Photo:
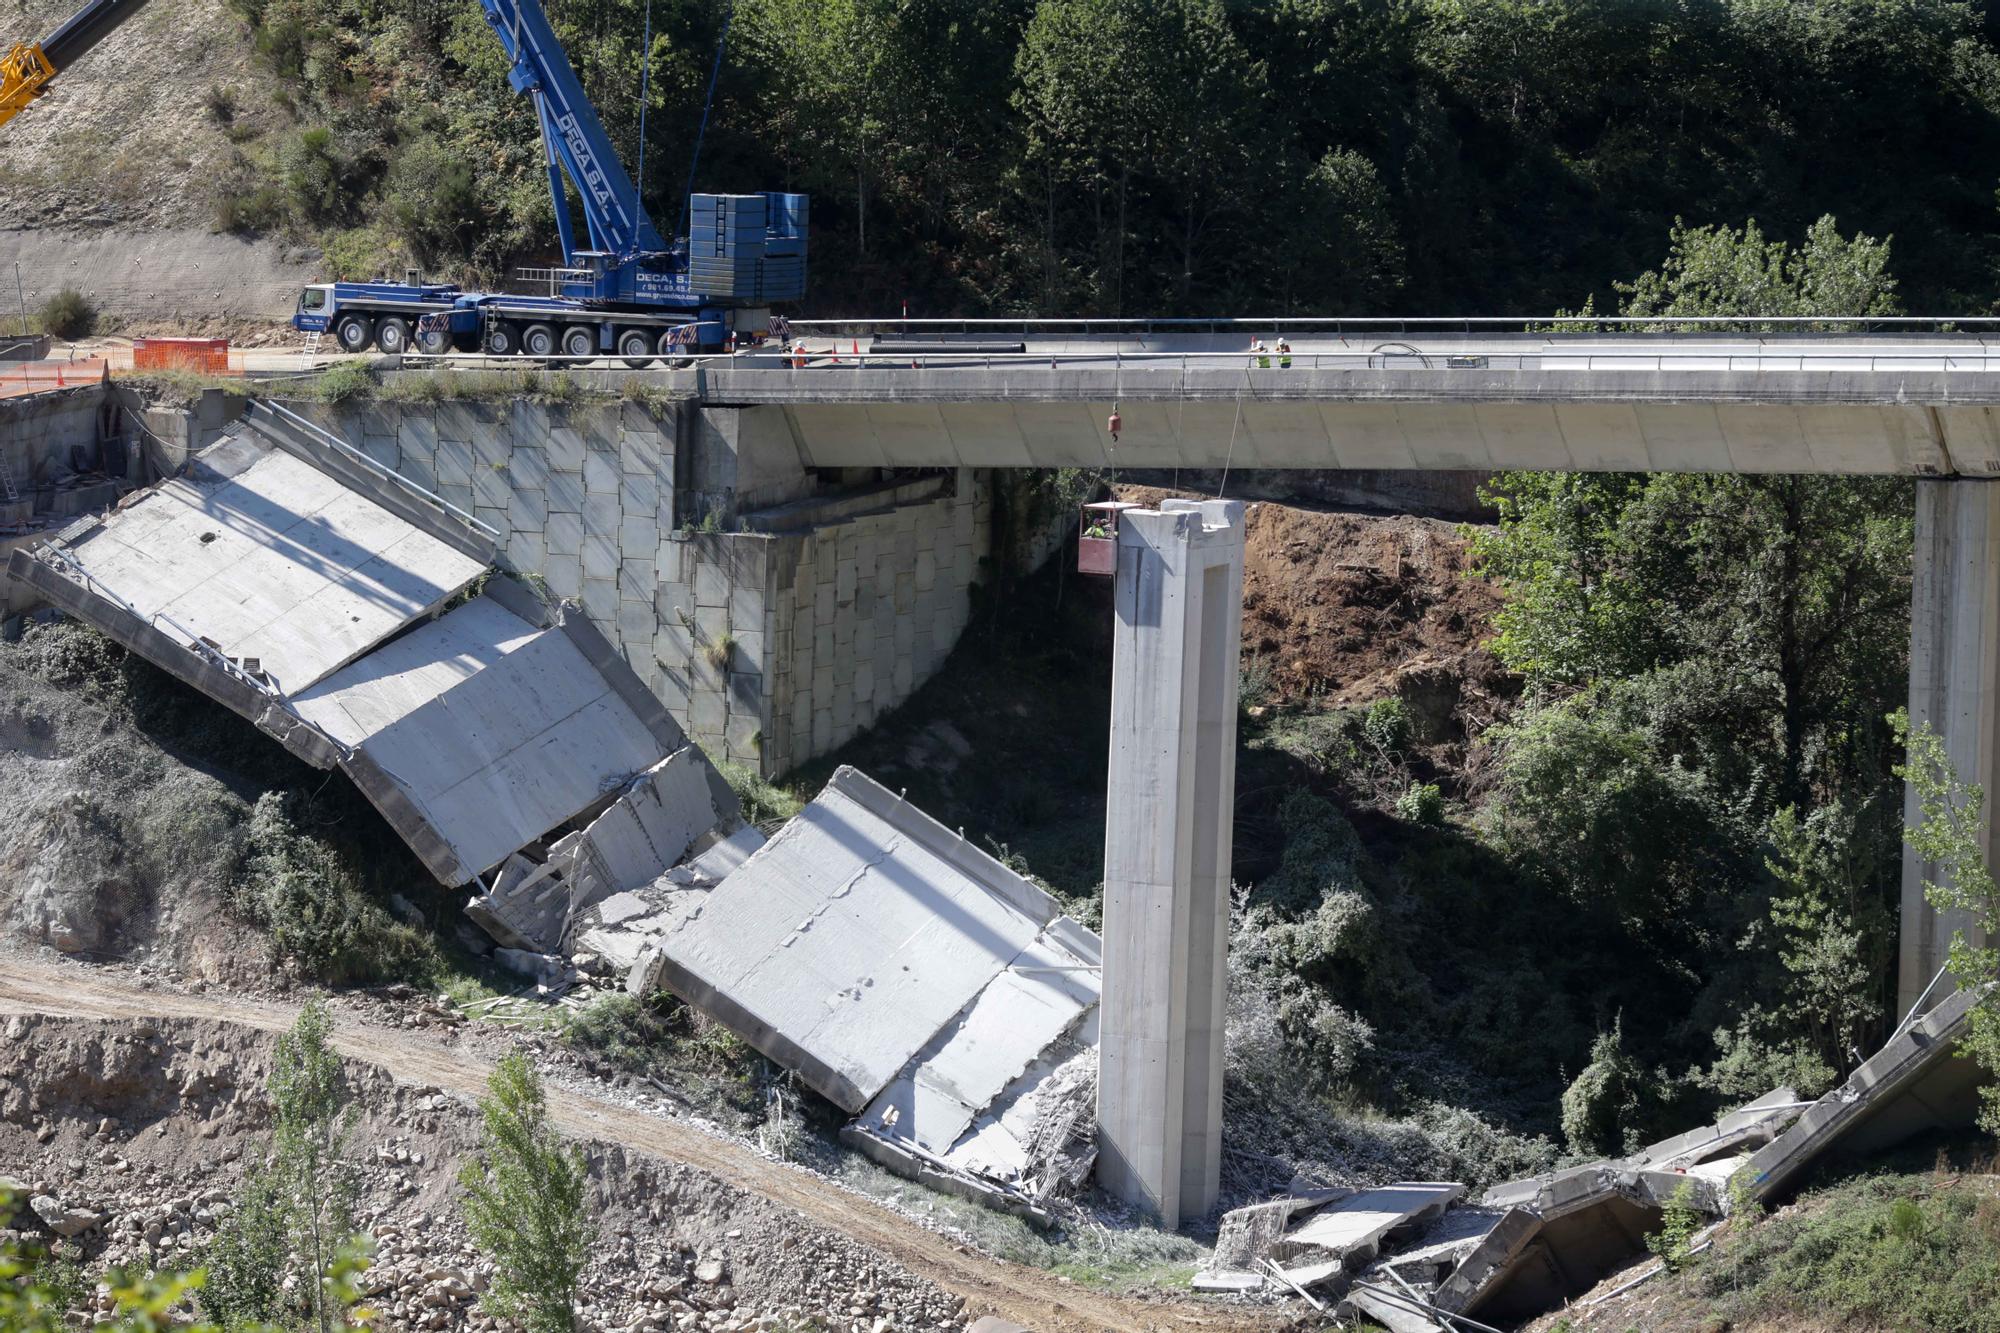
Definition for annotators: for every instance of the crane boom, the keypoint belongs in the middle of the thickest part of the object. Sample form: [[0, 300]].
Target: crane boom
[[573, 138], [27, 68]]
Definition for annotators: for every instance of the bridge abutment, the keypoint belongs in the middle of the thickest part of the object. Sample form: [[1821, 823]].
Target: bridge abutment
[[1954, 686], [776, 609]]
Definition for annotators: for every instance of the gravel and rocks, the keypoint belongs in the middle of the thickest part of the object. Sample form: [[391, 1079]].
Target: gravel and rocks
[[130, 1139]]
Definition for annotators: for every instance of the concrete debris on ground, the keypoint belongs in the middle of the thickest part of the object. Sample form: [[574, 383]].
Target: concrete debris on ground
[[1528, 1245], [905, 975], [333, 605], [1345, 1228]]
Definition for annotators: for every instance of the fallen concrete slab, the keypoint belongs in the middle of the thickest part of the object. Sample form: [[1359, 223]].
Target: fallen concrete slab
[[1919, 1081], [270, 560], [1352, 1229], [842, 946], [906, 976], [304, 588]]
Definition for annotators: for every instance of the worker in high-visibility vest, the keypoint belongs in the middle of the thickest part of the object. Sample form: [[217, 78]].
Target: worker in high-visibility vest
[[799, 356], [1284, 355], [1263, 354]]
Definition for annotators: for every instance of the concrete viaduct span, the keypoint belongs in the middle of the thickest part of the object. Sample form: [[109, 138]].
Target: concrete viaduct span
[[1900, 397]]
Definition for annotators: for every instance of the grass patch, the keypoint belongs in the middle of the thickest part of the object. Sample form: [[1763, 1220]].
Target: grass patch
[[1896, 1249], [662, 1039], [764, 802]]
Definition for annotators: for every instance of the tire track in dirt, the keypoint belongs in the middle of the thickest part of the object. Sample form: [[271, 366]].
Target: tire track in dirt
[[1027, 1296]]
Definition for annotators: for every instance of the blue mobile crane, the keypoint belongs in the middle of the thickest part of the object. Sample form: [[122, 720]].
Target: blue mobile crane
[[629, 291]]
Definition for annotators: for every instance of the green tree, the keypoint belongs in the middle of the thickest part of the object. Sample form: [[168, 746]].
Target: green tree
[[246, 1260], [1602, 1106], [1123, 96], [526, 1203], [308, 1161], [1720, 271], [1950, 833], [1708, 660]]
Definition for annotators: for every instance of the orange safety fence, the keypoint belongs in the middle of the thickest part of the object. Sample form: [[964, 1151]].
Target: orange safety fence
[[209, 356], [21, 377]]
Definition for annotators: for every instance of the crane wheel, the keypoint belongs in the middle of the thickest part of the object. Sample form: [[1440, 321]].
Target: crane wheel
[[503, 340], [539, 340], [579, 340], [354, 333], [392, 336], [433, 342], [636, 347]]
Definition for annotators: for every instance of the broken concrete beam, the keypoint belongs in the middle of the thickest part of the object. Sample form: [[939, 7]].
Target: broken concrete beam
[[1758, 1122], [1565, 1256], [1247, 1234], [1919, 1081], [1491, 1256], [1352, 1229]]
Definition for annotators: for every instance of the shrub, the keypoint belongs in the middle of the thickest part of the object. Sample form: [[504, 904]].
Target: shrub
[[220, 102], [315, 176], [1253, 683], [342, 381], [527, 1203], [1422, 803], [361, 253], [1600, 1109], [1678, 1223], [1387, 724], [68, 314], [764, 802], [314, 908]]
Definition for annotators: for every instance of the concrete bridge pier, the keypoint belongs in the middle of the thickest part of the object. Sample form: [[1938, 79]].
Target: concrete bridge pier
[[1954, 685], [1169, 814]]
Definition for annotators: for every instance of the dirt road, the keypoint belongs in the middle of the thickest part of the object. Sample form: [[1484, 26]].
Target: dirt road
[[1028, 1296]]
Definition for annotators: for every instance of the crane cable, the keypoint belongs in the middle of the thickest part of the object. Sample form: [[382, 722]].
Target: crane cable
[[645, 81], [687, 195]]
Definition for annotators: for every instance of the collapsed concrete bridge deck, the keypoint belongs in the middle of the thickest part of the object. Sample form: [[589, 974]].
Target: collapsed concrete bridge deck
[[351, 616]]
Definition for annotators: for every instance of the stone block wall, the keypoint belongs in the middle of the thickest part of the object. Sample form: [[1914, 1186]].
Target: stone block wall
[[785, 646], [768, 649]]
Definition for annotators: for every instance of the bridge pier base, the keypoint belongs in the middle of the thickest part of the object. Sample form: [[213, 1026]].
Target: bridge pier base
[[1168, 832], [1954, 686]]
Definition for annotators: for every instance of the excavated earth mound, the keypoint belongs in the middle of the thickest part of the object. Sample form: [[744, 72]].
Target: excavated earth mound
[[1348, 608], [131, 1139]]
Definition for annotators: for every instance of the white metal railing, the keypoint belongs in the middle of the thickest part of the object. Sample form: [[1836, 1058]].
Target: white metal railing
[[1828, 360], [327, 439], [551, 278]]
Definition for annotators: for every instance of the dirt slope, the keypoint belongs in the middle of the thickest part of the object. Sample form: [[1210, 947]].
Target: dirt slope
[[131, 132], [1350, 607], [1029, 1297]]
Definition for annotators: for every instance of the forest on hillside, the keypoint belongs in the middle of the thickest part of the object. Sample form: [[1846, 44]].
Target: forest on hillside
[[1163, 156]]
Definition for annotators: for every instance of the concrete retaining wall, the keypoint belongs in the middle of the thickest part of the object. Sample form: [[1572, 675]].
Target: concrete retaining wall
[[768, 649]]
